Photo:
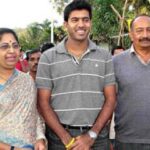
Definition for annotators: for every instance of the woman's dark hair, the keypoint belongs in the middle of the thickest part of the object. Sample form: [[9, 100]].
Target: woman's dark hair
[[7, 30], [77, 5]]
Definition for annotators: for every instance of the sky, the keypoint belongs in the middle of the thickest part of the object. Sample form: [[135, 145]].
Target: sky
[[20, 13]]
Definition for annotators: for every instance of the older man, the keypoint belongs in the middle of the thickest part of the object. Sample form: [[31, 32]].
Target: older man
[[132, 70]]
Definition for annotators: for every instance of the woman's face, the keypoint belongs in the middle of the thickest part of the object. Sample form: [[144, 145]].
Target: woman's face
[[9, 51]]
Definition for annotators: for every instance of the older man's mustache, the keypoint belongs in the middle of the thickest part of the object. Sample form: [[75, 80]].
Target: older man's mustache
[[144, 39]]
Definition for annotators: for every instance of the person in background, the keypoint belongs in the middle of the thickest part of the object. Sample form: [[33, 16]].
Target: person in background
[[33, 57], [46, 46], [76, 86], [22, 63], [132, 69], [117, 50], [20, 125]]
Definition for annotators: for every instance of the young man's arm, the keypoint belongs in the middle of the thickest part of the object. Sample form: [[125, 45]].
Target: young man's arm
[[84, 141], [107, 109], [51, 119]]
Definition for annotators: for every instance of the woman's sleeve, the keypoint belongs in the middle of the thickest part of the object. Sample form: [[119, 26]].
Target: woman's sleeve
[[40, 131]]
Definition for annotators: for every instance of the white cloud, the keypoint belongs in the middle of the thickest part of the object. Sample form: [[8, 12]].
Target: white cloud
[[20, 13]]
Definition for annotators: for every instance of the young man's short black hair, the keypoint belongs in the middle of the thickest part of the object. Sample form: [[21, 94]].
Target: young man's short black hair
[[77, 5]]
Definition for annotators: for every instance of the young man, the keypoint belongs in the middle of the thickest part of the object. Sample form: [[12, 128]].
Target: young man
[[132, 70], [76, 86], [33, 57]]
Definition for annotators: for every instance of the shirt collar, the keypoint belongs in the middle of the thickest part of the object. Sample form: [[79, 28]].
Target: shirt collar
[[60, 48], [132, 51]]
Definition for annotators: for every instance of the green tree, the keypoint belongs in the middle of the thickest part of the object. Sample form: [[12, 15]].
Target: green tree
[[59, 4], [141, 6], [59, 34], [107, 24], [105, 21], [34, 35]]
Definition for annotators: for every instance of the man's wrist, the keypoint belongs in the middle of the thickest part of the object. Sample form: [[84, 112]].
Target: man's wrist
[[70, 143], [93, 135]]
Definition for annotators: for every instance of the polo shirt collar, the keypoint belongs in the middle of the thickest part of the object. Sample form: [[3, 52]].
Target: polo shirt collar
[[132, 51], [60, 48]]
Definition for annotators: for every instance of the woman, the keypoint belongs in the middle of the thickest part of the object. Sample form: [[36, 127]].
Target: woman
[[20, 125]]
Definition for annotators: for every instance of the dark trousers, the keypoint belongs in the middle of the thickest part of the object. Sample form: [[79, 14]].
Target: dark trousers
[[131, 146], [54, 143]]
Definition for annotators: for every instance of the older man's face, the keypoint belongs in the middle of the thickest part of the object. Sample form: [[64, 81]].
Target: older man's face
[[140, 32]]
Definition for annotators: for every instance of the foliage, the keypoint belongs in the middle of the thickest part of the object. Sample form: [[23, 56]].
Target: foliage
[[60, 33], [105, 21], [34, 35], [37, 33], [59, 4], [142, 6], [138, 7]]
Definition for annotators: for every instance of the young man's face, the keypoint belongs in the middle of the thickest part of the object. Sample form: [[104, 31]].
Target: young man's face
[[33, 61], [140, 32], [78, 25]]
